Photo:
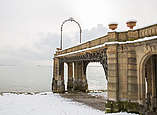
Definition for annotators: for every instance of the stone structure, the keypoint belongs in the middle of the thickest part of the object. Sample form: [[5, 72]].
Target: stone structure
[[129, 60]]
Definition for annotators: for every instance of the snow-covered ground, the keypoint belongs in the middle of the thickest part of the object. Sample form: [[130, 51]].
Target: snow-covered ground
[[102, 94], [44, 104]]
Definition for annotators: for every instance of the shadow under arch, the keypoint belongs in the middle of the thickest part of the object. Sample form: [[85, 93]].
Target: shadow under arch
[[147, 81]]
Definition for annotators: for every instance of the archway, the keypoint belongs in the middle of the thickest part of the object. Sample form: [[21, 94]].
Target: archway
[[148, 82], [96, 77], [65, 75], [71, 20], [68, 76]]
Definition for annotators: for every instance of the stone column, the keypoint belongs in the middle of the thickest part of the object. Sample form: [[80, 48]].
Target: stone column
[[70, 77], [83, 76], [58, 76], [123, 69], [113, 76], [75, 79], [80, 82], [132, 75]]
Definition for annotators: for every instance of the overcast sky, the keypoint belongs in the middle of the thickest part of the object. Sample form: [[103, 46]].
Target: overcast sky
[[30, 29]]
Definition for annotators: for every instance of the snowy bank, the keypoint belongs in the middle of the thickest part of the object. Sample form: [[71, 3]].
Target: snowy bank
[[44, 104]]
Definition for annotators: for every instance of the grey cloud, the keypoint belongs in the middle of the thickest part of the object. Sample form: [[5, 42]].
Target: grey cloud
[[45, 46], [95, 32]]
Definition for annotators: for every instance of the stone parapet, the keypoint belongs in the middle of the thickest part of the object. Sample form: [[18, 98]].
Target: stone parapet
[[129, 35]]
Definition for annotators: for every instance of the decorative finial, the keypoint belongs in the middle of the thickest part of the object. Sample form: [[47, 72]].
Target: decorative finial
[[113, 25], [131, 23], [71, 18]]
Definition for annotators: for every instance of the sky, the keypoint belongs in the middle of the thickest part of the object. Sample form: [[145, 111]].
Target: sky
[[30, 29]]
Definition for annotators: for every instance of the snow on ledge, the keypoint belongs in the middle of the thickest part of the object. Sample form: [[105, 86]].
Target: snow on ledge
[[110, 43], [131, 20]]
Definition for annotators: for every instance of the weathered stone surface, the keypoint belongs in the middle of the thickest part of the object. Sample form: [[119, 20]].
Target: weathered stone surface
[[129, 67], [130, 107], [122, 37]]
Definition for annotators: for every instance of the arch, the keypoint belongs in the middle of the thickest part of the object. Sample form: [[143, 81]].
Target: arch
[[71, 20], [68, 75], [142, 77], [65, 75], [96, 81]]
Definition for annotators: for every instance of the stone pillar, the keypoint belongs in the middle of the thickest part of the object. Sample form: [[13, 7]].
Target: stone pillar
[[123, 69], [132, 75], [113, 76], [80, 81], [70, 77], [58, 76], [84, 78]]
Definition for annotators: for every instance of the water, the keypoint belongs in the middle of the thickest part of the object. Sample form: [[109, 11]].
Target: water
[[25, 78], [38, 78], [95, 76]]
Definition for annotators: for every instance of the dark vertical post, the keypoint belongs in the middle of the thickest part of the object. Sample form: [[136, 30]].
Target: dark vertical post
[[61, 39], [70, 76], [80, 35]]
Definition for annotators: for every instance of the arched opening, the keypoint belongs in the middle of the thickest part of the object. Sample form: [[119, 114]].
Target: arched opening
[[68, 76], [69, 20], [149, 78], [96, 77], [65, 75]]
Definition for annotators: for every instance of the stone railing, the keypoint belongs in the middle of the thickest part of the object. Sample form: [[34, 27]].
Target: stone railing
[[129, 35]]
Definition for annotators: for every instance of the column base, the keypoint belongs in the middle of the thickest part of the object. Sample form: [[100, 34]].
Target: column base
[[79, 86], [70, 86], [113, 107], [58, 86], [54, 85]]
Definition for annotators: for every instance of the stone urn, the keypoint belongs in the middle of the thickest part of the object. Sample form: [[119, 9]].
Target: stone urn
[[131, 23], [113, 26], [58, 49]]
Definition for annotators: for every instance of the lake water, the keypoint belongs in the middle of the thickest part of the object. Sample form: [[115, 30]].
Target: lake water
[[38, 78]]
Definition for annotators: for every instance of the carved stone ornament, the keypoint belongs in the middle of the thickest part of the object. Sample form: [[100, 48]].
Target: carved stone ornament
[[147, 48]]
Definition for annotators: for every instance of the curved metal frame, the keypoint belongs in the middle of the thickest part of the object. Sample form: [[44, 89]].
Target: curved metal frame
[[72, 20]]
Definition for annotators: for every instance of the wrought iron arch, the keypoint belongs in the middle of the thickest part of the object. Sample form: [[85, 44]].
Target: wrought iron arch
[[71, 20]]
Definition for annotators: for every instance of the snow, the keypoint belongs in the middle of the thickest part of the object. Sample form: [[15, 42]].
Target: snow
[[44, 104], [99, 94], [111, 43], [131, 20], [113, 23], [144, 26]]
